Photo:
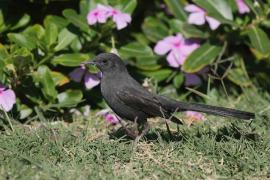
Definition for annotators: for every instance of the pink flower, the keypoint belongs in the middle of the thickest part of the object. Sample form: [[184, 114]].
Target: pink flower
[[111, 118], [195, 116], [121, 19], [7, 98], [242, 6], [178, 48], [90, 79], [108, 116], [101, 13], [199, 16]]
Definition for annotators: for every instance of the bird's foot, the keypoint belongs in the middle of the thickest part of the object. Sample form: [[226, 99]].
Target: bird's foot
[[130, 133], [137, 135]]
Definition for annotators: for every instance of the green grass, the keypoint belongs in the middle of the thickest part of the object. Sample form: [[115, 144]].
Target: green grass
[[216, 149]]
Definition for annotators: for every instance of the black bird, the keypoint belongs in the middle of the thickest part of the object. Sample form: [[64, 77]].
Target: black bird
[[129, 100]]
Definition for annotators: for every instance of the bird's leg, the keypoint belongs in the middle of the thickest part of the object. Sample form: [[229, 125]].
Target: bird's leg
[[168, 129], [167, 125], [142, 131], [130, 133]]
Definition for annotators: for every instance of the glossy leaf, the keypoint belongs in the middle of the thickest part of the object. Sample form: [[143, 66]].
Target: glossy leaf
[[238, 76], [159, 75], [25, 19], [51, 34], [178, 80], [46, 81], [201, 57], [25, 111], [59, 78], [154, 29], [70, 60], [135, 49], [69, 98], [57, 20], [218, 9], [259, 40], [128, 6], [177, 8], [65, 37], [22, 40], [188, 30], [76, 20]]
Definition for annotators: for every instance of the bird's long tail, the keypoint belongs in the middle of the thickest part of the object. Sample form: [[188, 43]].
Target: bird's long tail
[[220, 111]]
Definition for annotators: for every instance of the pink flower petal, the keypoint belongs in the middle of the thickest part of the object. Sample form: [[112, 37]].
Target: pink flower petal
[[91, 80], [193, 8], [99, 14], [194, 115], [162, 47], [175, 59], [242, 7], [189, 46], [77, 74], [197, 18], [111, 118], [7, 99], [121, 20], [213, 23], [192, 80]]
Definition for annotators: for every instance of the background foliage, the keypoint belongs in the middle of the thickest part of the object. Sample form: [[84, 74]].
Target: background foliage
[[41, 42]]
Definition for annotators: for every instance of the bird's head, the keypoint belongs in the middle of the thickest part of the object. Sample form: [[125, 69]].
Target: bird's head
[[108, 62]]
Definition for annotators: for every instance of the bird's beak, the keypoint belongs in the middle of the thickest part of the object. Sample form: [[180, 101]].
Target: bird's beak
[[91, 62]]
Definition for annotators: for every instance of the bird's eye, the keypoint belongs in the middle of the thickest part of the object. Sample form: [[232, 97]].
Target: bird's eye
[[104, 61]]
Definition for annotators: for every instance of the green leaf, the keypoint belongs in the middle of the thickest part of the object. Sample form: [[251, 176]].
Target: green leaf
[[259, 40], [57, 20], [148, 63], [201, 57], [176, 7], [25, 111], [71, 60], [34, 32], [154, 29], [77, 20], [3, 53], [43, 76], [25, 19], [159, 75], [128, 6], [51, 33], [178, 80], [188, 30], [22, 40], [65, 37], [218, 9], [59, 78], [239, 77], [69, 98], [135, 49]]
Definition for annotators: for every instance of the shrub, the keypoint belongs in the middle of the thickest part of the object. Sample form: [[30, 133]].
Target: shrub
[[174, 44]]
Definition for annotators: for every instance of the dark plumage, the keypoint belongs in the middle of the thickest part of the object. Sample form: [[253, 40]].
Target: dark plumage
[[129, 100]]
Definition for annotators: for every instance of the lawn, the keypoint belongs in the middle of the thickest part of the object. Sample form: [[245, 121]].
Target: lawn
[[215, 149]]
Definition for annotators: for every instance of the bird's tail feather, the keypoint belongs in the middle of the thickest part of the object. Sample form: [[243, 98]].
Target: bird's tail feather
[[220, 111]]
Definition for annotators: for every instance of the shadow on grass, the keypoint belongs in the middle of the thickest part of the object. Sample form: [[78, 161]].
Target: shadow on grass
[[225, 133], [152, 135], [234, 132]]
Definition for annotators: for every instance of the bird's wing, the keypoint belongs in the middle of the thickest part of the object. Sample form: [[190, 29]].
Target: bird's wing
[[141, 100]]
